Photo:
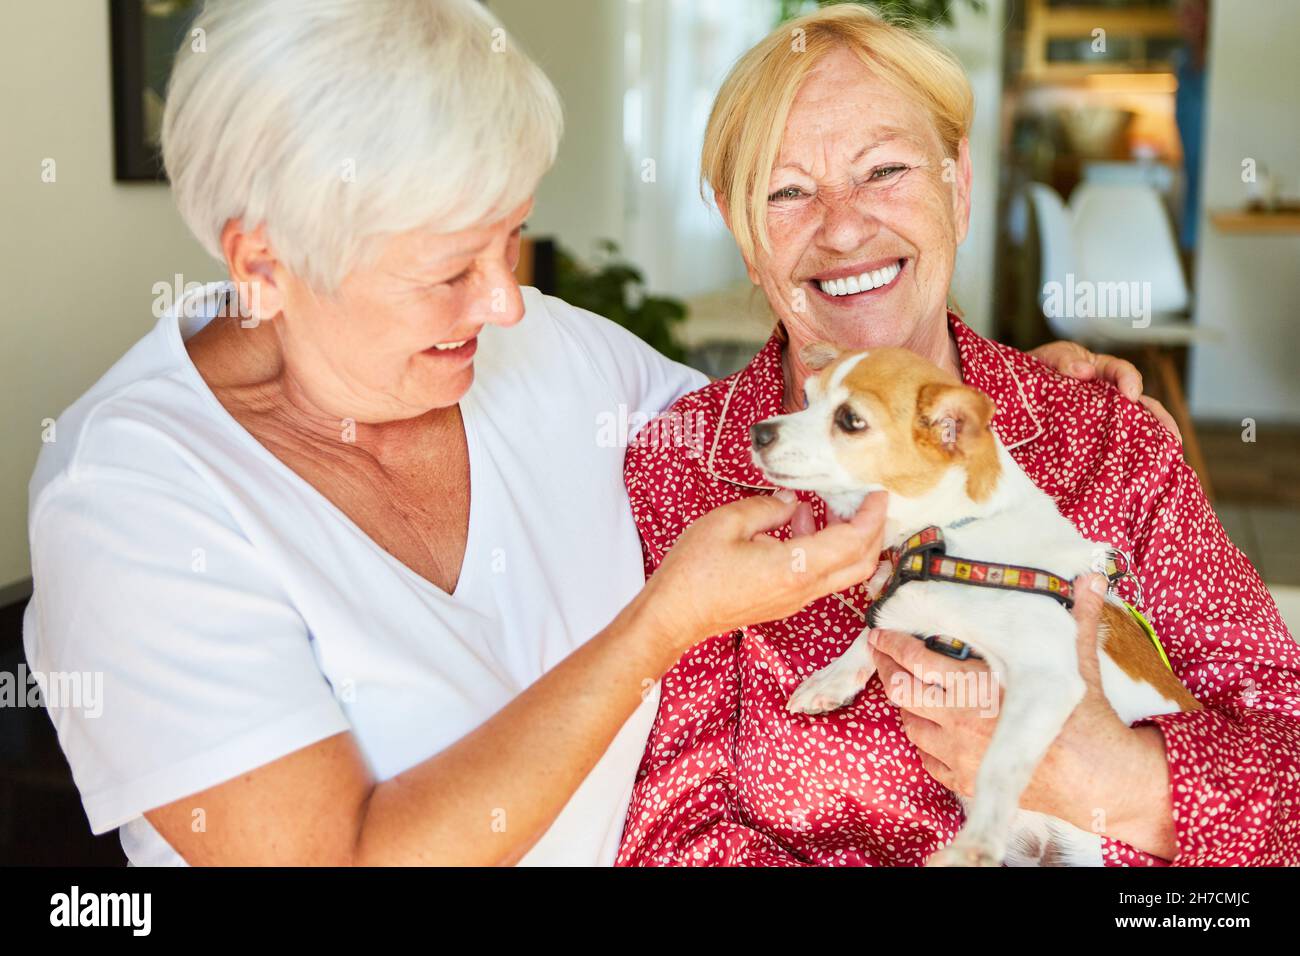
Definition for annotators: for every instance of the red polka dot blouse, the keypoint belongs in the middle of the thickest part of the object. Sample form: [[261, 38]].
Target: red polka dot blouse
[[729, 777]]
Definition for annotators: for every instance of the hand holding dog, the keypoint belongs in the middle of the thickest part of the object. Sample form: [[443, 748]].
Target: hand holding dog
[[1100, 774], [725, 571], [1072, 359]]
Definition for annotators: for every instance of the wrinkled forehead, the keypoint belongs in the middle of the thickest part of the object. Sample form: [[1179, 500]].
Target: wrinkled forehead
[[842, 93]]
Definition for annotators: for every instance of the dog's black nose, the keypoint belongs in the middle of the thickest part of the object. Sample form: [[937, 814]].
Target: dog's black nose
[[763, 434]]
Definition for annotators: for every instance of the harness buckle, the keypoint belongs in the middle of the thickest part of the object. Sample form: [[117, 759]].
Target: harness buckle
[[951, 647], [1117, 566]]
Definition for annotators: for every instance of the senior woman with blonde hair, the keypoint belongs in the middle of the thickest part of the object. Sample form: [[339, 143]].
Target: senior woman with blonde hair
[[837, 152], [361, 580]]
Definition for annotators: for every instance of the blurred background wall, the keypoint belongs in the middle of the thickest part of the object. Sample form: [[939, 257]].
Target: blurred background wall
[[579, 44], [80, 254], [1248, 284]]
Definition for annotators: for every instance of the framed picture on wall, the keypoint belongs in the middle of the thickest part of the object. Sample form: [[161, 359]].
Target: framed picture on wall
[[145, 35]]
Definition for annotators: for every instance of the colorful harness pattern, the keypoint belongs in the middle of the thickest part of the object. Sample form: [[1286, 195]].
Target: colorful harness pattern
[[924, 557]]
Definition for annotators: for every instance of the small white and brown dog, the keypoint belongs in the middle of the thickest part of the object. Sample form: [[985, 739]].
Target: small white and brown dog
[[991, 561]]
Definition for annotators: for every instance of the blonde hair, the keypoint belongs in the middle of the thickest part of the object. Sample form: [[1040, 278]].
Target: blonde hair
[[338, 122], [749, 115]]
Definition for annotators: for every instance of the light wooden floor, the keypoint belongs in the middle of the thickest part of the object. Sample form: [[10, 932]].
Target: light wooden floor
[[1257, 495]]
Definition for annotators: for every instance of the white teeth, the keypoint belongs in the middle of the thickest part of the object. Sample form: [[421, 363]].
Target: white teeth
[[863, 283], [447, 346]]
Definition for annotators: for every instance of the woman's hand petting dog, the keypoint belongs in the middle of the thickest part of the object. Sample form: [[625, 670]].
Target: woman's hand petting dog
[[1100, 774], [726, 571]]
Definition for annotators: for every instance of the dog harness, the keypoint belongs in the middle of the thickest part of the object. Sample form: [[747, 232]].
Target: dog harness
[[924, 557]]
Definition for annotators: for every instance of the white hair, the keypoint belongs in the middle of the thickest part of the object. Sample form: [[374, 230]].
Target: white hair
[[335, 122]]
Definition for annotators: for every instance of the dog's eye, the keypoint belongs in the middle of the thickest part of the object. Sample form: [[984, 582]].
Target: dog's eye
[[848, 420]]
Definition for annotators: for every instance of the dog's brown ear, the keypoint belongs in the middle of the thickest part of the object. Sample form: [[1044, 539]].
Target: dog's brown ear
[[952, 417], [818, 355]]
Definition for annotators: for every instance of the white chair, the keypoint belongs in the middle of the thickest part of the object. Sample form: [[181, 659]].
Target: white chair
[[1119, 237], [1058, 260], [1122, 234], [1158, 176]]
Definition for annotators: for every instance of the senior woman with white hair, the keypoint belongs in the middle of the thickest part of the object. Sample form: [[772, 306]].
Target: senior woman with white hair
[[362, 583], [343, 604]]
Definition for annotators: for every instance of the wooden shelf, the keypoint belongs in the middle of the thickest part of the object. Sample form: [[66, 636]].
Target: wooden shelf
[[1242, 222], [1044, 23], [1081, 21]]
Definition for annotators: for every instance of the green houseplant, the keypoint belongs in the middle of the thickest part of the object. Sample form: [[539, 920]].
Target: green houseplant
[[921, 12], [615, 288]]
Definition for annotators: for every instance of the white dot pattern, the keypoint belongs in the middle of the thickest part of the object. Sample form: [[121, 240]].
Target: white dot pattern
[[729, 777]]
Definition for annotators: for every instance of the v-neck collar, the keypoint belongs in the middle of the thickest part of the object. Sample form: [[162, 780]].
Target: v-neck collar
[[177, 330]]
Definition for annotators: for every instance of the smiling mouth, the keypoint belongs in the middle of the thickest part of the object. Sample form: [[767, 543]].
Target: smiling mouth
[[862, 284], [464, 347]]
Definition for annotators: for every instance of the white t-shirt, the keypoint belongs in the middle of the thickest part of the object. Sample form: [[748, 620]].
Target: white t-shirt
[[236, 615]]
